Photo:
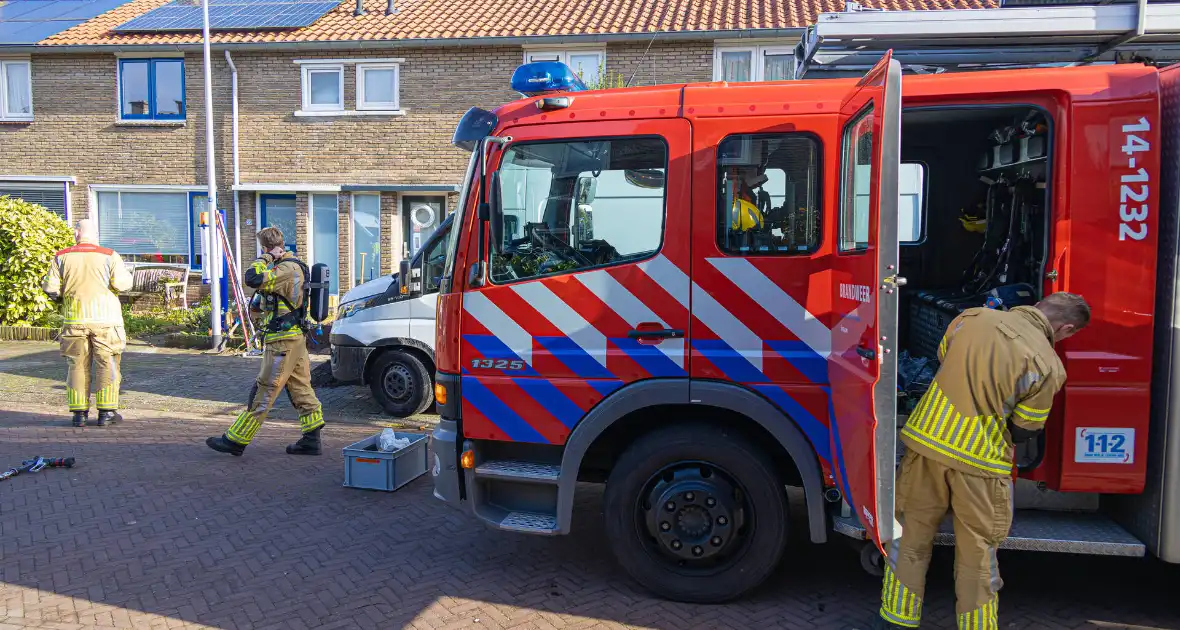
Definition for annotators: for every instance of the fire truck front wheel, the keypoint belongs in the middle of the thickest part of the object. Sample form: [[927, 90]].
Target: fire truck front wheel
[[696, 513]]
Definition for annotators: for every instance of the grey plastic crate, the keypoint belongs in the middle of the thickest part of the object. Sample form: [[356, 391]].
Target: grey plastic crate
[[368, 468]]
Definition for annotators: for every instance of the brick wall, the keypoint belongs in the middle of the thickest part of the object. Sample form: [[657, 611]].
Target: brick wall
[[76, 131]]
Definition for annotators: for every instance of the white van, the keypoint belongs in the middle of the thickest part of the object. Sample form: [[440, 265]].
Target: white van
[[385, 339]]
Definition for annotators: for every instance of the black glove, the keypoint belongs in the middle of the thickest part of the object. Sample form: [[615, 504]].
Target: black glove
[[1021, 435]]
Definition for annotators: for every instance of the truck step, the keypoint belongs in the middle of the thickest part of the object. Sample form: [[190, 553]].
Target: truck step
[[511, 470], [529, 523], [1058, 532]]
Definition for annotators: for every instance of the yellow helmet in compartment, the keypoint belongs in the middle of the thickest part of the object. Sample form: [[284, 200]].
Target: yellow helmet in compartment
[[973, 223], [745, 216]]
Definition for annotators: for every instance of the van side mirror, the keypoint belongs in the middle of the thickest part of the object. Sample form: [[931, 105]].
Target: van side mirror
[[496, 214], [409, 279]]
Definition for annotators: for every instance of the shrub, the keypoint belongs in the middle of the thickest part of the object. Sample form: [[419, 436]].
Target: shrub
[[29, 237]]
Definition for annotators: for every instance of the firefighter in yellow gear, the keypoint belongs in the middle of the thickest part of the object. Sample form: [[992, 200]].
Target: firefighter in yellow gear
[[281, 280], [994, 388], [87, 279]]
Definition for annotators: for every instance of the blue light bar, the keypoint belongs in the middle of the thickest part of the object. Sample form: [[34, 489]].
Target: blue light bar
[[546, 76]]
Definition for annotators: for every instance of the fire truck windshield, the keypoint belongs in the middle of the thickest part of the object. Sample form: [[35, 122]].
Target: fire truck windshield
[[570, 205]]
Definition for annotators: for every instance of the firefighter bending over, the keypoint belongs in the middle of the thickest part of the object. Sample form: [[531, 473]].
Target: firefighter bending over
[[87, 279], [282, 281], [995, 386]]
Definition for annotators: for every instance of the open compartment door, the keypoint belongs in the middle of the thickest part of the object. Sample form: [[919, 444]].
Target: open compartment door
[[862, 365]]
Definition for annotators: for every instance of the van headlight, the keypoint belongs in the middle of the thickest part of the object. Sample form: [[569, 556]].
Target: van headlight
[[356, 306]]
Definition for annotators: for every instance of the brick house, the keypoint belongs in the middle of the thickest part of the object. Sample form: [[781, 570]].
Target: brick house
[[343, 126]]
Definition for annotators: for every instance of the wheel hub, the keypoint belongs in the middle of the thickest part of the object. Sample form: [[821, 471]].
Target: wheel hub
[[397, 382], [692, 514]]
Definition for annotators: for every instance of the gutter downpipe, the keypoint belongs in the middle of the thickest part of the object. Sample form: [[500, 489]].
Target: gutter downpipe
[[237, 201]]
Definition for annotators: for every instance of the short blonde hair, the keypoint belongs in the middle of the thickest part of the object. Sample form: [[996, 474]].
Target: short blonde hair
[[270, 237], [1066, 308]]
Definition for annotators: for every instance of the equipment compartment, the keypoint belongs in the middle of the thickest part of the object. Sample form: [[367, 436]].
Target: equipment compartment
[[974, 179]]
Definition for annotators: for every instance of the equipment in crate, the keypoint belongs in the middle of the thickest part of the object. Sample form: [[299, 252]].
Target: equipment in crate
[[914, 376], [931, 312]]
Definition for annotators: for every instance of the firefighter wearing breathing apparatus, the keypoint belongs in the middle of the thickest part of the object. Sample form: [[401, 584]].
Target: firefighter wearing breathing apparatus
[[994, 388], [87, 278], [288, 290]]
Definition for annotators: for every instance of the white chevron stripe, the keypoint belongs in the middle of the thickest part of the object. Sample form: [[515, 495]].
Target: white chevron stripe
[[624, 303], [729, 328], [499, 324], [565, 318], [777, 302], [668, 276]]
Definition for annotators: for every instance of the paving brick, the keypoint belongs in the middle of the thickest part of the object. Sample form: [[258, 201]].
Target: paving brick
[[153, 530]]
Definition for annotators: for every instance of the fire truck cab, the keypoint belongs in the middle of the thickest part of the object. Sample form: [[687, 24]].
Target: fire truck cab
[[701, 295]]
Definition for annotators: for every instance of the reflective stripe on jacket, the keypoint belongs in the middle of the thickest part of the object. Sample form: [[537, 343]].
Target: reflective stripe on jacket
[[996, 367]]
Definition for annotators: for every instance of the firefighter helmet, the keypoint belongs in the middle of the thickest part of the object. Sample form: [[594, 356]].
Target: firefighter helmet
[[745, 216]]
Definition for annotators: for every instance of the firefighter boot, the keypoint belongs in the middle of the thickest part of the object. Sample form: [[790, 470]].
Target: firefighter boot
[[223, 445], [309, 444], [80, 418], [106, 417]]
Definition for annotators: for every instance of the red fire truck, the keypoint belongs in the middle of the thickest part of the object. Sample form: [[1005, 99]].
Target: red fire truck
[[701, 295]]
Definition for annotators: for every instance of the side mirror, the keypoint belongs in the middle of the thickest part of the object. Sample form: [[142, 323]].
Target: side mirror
[[409, 279], [496, 214]]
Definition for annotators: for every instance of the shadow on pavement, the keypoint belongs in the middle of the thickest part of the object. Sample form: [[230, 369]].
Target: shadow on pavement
[[151, 522]]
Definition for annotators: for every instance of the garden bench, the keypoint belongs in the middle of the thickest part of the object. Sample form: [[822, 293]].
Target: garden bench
[[170, 279]]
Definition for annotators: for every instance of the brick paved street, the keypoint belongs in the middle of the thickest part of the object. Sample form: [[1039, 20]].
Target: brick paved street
[[163, 379], [153, 530]]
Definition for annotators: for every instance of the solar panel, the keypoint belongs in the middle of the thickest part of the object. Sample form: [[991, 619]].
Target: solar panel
[[30, 21], [229, 15]]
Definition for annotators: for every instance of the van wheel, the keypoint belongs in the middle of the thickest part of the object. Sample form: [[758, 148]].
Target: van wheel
[[401, 384], [696, 514]]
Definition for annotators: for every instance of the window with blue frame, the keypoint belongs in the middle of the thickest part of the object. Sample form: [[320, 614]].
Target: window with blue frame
[[151, 89]]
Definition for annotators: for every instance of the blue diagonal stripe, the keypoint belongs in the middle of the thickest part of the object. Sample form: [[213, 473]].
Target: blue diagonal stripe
[[812, 427], [491, 347], [552, 399], [574, 357], [734, 365], [498, 413], [606, 388], [804, 359], [649, 358]]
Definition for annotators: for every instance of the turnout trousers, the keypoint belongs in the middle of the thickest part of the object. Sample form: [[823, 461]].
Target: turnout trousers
[[285, 363], [101, 345], [982, 511]]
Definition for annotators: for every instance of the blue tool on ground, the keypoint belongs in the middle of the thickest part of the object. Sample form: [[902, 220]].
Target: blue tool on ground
[[37, 464]]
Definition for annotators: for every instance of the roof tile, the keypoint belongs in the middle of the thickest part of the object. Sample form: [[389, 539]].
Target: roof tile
[[450, 19]]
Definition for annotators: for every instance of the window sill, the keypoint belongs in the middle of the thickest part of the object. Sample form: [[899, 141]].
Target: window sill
[[16, 121], [350, 112], [150, 123]]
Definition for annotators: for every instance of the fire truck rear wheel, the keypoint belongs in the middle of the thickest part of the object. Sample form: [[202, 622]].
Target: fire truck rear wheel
[[401, 384], [696, 513]]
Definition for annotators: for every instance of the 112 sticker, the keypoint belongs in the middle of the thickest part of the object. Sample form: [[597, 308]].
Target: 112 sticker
[[1096, 445]]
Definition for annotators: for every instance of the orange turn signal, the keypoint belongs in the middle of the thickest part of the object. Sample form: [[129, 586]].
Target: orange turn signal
[[467, 460], [440, 393]]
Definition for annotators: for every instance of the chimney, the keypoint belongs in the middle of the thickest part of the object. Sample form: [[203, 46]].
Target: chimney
[[360, 8], [391, 8]]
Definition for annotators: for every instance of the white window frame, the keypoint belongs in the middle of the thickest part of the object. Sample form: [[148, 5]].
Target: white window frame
[[362, 103], [307, 71], [563, 54], [5, 115], [758, 54]]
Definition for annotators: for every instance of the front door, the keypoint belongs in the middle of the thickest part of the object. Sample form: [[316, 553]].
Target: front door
[[279, 211], [588, 286], [420, 218], [862, 365]]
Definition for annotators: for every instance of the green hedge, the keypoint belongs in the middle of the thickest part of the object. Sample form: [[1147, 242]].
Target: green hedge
[[29, 237]]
